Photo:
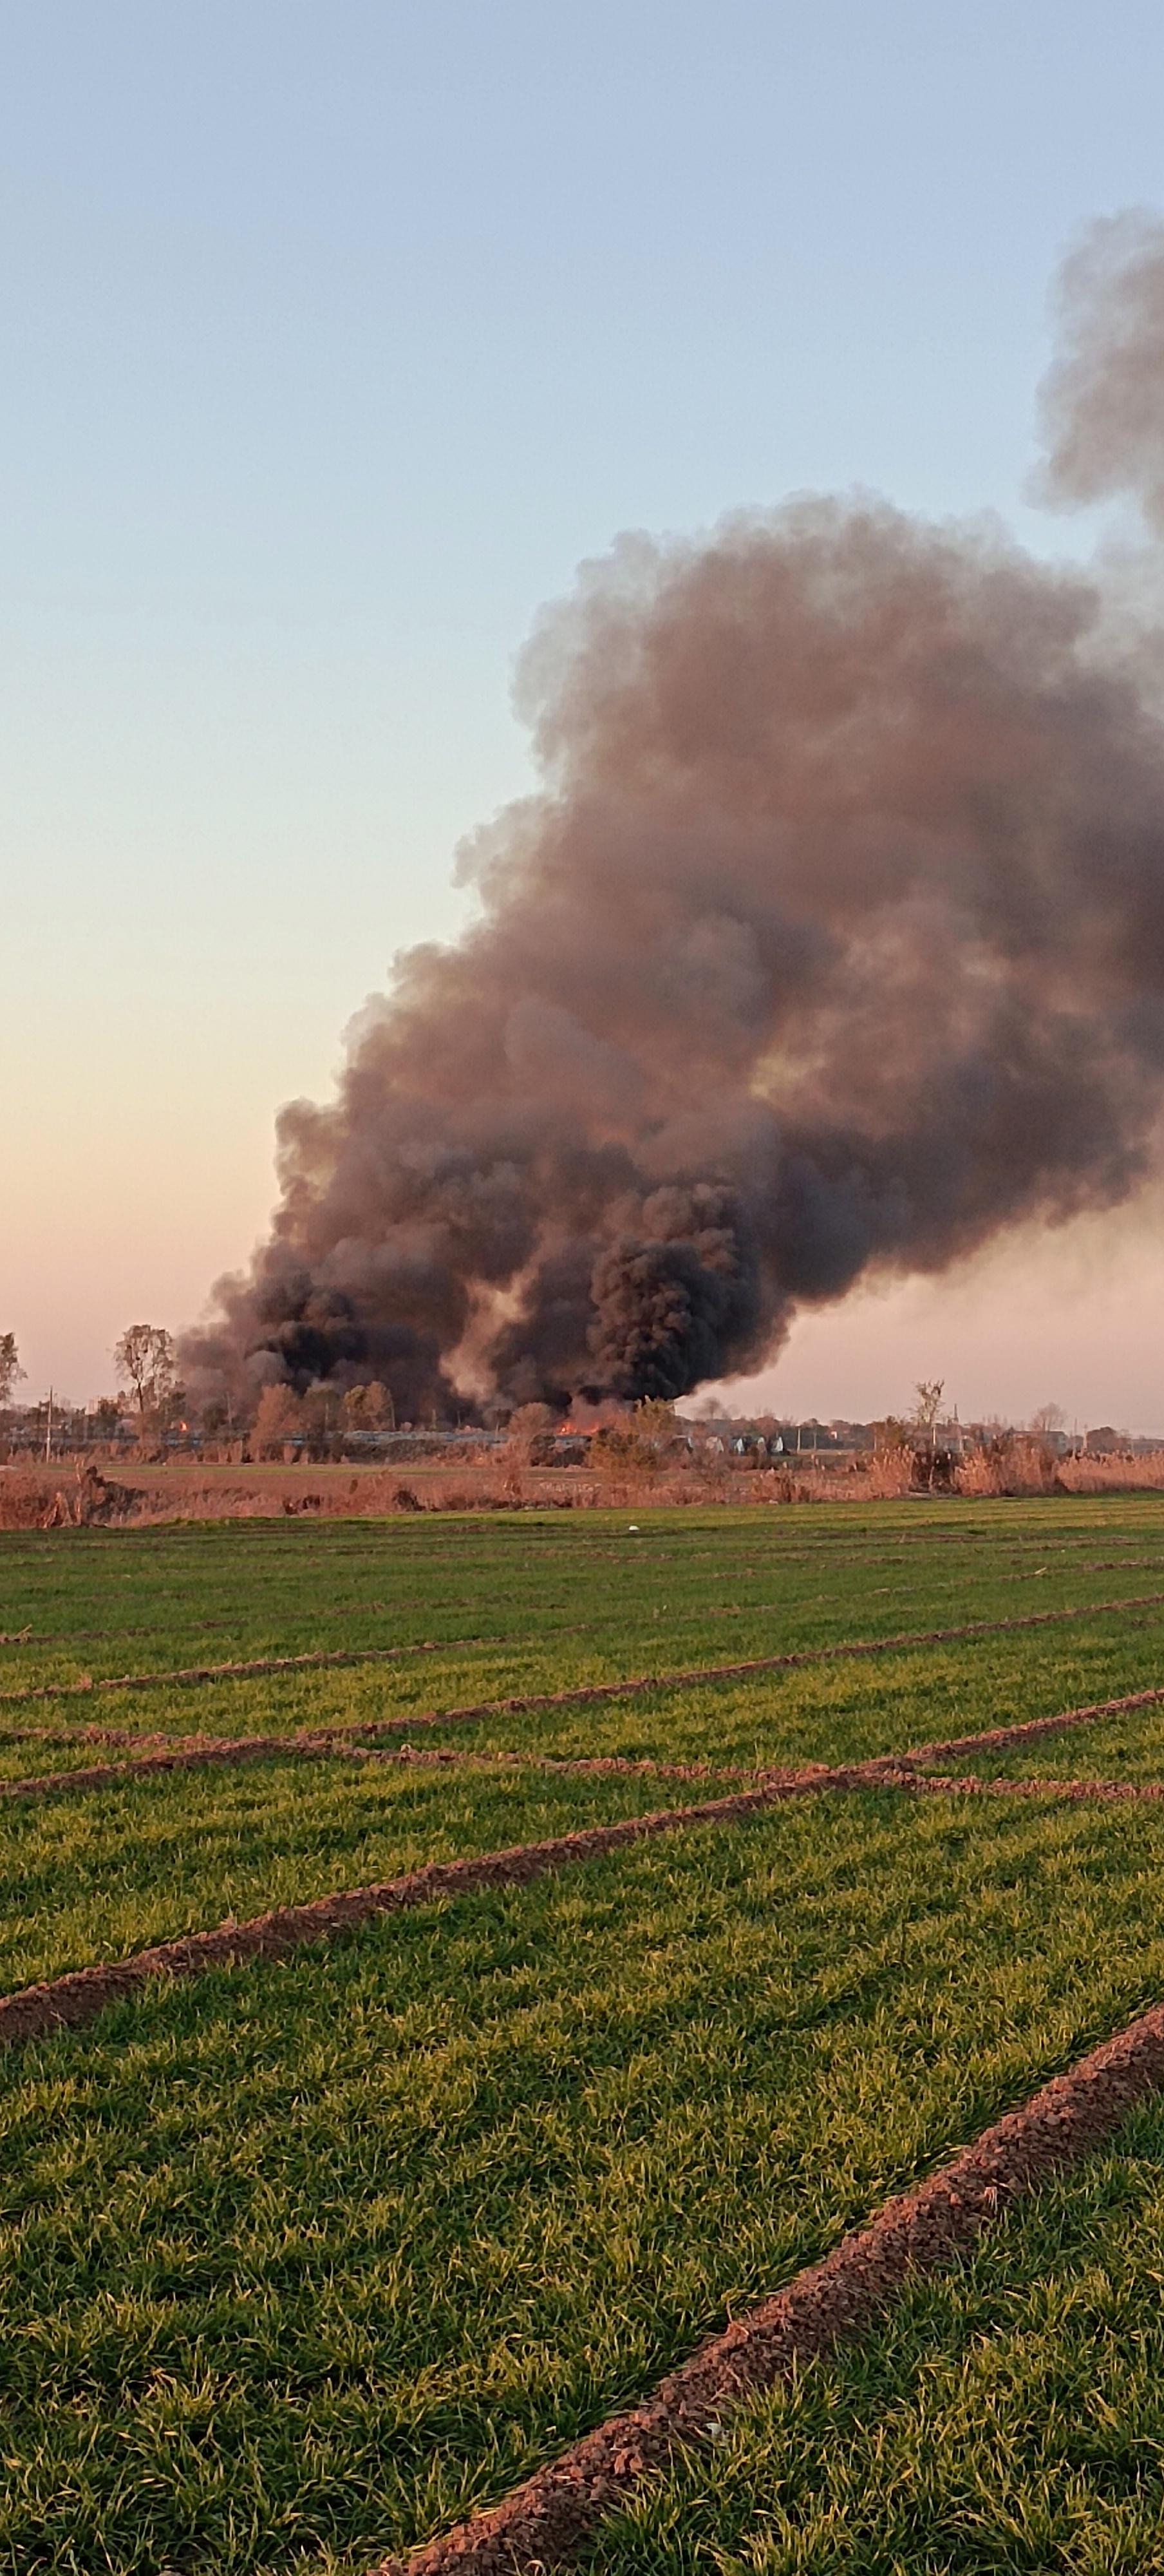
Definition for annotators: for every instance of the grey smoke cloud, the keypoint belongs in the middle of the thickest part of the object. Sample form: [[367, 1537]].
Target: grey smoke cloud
[[1101, 409], [832, 942]]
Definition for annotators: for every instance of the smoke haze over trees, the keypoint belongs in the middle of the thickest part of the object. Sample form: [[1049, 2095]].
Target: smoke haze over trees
[[832, 942]]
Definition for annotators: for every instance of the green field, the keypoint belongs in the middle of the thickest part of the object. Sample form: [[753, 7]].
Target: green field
[[1007, 2417], [302, 2261]]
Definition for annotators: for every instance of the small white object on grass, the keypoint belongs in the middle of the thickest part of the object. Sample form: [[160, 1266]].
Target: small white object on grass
[[632, 1529]]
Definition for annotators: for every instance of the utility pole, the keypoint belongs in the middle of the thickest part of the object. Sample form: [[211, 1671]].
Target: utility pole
[[48, 1427]]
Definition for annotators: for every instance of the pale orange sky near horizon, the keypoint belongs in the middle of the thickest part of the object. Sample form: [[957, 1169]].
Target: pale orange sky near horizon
[[1069, 1317]]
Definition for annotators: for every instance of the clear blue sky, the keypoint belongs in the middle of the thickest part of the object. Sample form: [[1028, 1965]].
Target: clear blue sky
[[334, 337]]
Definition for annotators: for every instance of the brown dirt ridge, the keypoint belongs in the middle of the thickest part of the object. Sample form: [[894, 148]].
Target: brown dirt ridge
[[78, 1996], [71, 2000], [597, 1765], [189, 1676], [995, 1739], [547, 2520], [179, 1753], [947, 1784], [196, 1752], [907, 1770]]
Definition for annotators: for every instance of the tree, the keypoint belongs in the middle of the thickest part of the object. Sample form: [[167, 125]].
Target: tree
[[322, 1405], [529, 1433], [656, 1420], [1049, 1419], [927, 1404], [369, 1408], [641, 1442], [278, 1419], [144, 1360], [10, 1368]]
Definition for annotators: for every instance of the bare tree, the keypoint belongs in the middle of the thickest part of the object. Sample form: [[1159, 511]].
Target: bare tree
[[10, 1368], [1049, 1419], [927, 1405], [144, 1360], [322, 1416]]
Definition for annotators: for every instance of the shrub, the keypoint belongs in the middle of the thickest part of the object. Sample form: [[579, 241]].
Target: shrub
[[1013, 1463]]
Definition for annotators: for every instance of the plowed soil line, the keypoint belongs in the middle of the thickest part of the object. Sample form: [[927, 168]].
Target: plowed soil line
[[946, 1784], [199, 1752], [546, 2522], [77, 1998], [178, 1753], [883, 1772], [994, 1739], [190, 1676], [195, 1752], [438, 1757]]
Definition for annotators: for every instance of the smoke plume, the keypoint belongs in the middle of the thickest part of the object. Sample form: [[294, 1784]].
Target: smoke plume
[[832, 942]]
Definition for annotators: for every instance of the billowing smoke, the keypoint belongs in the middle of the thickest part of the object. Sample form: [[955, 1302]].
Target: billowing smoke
[[833, 942]]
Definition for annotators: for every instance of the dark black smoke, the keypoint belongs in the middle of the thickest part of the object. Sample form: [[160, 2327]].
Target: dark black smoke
[[834, 940]]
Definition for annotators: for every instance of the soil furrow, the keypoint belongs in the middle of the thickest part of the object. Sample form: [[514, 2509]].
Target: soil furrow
[[199, 1752], [883, 1771], [547, 2521], [973, 1785], [180, 1753], [78, 1997], [597, 1765], [994, 1739], [163, 1754], [190, 1676]]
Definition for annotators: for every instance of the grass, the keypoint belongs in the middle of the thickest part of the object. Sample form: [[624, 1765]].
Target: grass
[[98, 1877], [550, 1593], [1008, 2417], [300, 2262], [568, 1609], [485, 2172], [1130, 1747]]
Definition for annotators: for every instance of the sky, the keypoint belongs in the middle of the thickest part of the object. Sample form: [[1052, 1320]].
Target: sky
[[335, 338]]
